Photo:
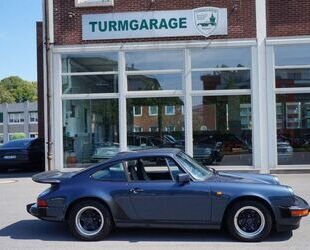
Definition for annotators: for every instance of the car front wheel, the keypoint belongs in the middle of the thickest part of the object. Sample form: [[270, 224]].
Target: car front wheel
[[90, 221], [249, 221]]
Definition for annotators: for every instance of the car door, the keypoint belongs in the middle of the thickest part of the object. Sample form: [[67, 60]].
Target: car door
[[161, 199]]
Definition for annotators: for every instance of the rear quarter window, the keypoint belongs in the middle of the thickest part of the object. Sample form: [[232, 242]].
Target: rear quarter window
[[112, 173]]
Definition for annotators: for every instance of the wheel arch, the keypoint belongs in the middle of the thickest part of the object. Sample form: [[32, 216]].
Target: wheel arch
[[74, 202], [249, 197]]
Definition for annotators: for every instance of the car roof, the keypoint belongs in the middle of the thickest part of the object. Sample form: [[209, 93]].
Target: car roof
[[145, 153]]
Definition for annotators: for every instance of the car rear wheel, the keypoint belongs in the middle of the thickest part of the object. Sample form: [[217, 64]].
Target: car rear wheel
[[90, 220], [249, 221]]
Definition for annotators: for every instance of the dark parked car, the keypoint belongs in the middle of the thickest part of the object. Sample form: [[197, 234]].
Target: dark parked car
[[166, 188], [22, 154]]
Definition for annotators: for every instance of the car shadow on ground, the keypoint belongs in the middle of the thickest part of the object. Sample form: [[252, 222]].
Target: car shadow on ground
[[46, 231]]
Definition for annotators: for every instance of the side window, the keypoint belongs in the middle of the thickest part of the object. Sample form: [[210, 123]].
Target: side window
[[149, 169], [174, 168], [112, 173]]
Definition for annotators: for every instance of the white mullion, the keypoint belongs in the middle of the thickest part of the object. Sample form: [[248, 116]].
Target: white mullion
[[188, 114], [90, 96], [57, 111], [293, 67], [272, 108], [154, 72], [220, 69], [122, 83], [154, 94], [89, 73], [221, 92]]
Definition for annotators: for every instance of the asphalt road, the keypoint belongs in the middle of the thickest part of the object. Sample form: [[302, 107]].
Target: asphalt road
[[19, 230]]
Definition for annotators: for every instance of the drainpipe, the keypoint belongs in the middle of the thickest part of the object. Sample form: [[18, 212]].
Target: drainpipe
[[48, 42]]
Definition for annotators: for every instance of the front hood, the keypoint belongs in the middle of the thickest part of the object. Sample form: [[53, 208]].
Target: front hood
[[247, 178]]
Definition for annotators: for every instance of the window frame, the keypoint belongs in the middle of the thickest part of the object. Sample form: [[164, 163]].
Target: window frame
[[134, 111]]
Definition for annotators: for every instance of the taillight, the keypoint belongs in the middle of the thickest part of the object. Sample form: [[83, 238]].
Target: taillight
[[41, 203]]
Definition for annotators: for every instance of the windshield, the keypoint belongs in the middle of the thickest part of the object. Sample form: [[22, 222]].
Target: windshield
[[194, 168]]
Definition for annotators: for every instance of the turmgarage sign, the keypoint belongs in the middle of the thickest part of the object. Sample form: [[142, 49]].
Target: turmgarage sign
[[203, 21]]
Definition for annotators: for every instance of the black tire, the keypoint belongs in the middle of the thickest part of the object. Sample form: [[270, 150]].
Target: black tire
[[96, 208], [249, 221]]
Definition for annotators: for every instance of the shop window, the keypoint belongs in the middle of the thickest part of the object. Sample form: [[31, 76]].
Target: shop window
[[221, 58], [90, 131], [154, 60], [222, 130], [219, 80], [155, 82], [87, 84], [293, 136], [99, 62], [292, 78], [292, 70], [156, 132], [289, 55]]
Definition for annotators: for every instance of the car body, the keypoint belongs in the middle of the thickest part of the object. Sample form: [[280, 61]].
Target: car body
[[166, 188], [22, 154]]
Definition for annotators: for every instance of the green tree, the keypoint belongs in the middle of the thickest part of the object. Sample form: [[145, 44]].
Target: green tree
[[20, 89], [5, 96]]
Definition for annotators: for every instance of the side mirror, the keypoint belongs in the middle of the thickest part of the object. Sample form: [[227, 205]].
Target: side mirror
[[183, 178]]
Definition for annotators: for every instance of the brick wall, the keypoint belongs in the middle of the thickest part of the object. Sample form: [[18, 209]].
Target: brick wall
[[68, 30], [288, 17]]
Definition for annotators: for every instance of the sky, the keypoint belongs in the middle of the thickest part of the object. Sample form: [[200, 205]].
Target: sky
[[18, 38]]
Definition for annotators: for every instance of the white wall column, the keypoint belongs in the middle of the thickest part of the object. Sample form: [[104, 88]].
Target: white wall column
[[188, 113], [259, 88]]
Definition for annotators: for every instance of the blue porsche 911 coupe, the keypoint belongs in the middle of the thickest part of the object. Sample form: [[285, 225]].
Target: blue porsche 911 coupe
[[166, 188]]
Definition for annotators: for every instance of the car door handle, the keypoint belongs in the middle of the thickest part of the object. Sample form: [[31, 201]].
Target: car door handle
[[136, 190]]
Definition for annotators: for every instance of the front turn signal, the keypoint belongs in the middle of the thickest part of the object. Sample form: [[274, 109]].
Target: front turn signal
[[300, 213]]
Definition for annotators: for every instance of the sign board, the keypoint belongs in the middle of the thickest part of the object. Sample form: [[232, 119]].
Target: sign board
[[205, 21]]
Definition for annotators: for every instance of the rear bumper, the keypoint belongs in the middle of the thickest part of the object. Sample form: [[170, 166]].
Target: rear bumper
[[46, 213], [289, 222]]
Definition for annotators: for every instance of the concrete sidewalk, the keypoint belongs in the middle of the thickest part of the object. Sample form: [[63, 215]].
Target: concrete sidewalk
[[19, 230]]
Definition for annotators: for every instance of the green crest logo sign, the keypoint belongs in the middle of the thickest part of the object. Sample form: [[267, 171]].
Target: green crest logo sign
[[206, 20]]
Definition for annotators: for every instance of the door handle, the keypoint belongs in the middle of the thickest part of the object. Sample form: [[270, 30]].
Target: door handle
[[136, 190]]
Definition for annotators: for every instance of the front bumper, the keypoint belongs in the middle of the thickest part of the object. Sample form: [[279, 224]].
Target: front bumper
[[46, 213], [291, 216]]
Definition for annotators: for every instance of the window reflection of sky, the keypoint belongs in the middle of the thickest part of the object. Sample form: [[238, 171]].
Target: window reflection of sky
[[292, 55]]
